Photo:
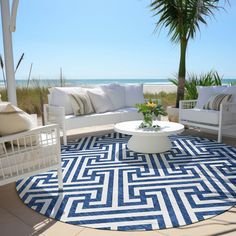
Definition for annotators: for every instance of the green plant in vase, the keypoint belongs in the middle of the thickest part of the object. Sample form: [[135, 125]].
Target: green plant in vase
[[150, 110]]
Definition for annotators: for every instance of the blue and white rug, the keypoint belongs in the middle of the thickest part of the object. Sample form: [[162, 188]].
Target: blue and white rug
[[106, 186]]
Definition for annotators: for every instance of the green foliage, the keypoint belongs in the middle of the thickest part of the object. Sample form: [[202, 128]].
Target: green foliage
[[151, 107], [167, 99], [183, 17], [211, 78], [149, 110]]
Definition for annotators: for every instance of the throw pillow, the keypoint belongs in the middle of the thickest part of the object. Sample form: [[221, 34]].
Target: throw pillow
[[216, 100], [205, 92], [59, 96], [81, 104], [13, 120], [116, 93], [134, 94], [101, 102]]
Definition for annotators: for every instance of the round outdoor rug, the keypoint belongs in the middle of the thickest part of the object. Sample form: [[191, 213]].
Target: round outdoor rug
[[106, 186]]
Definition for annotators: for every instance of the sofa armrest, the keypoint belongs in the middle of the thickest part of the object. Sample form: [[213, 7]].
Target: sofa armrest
[[54, 115], [229, 107], [187, 104], [29, 133]]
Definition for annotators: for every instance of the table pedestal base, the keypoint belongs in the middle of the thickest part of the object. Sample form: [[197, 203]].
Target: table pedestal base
[[149, 144]]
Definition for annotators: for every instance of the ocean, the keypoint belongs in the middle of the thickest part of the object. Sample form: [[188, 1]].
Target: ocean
[[74, 82]]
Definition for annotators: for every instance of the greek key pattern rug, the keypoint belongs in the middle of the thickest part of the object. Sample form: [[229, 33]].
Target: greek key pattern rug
[[106, 186]]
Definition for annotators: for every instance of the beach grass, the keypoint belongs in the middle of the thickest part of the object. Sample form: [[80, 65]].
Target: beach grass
[[167, 99], [31, 99]]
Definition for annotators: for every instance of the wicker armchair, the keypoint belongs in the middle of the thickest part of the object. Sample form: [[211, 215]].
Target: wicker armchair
[[29, 153]]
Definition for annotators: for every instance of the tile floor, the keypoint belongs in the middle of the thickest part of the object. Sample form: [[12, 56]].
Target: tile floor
[[17, 219]]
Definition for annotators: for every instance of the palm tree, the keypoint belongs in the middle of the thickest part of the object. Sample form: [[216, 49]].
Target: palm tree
[[183, 19]]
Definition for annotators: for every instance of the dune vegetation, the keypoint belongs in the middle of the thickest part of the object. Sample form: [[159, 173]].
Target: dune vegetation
[[30, 100]]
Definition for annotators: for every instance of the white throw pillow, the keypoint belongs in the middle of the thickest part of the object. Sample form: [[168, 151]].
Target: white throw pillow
[[14, 120], [133, 94], [231, 90], [59, 96], [101, 102], [116, 93], [205, 92]]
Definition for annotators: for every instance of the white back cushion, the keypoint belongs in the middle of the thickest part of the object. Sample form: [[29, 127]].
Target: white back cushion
[[133, 94], [205, 92], [101, 102], [231, 90], [59, 96], [116, 93]]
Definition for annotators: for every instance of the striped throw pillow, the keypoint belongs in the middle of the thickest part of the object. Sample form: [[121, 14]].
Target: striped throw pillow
[[81, 104], [216, 100]]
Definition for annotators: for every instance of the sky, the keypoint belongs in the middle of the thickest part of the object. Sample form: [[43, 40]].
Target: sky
[[114, 39]]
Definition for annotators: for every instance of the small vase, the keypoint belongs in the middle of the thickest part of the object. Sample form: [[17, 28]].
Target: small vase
[[148, 120]]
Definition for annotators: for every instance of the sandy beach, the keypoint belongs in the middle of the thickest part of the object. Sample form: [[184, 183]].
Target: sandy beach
[[157, 88]]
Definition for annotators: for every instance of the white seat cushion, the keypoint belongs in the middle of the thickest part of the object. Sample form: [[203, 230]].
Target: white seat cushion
[[200, 116], [128, 109], [112, 117]]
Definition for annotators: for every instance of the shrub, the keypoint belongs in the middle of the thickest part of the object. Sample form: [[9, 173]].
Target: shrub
[[211, 78]]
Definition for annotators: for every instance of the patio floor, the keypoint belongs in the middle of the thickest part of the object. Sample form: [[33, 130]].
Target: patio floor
[[18, 219]]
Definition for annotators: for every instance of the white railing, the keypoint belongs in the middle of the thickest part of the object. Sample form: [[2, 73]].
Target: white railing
[[187, 104]]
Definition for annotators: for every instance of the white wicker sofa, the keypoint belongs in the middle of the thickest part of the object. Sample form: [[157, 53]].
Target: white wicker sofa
[[222, 121], [121, 97]]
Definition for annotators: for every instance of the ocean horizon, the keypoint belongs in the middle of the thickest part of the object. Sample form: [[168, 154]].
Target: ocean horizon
[[74, 82]]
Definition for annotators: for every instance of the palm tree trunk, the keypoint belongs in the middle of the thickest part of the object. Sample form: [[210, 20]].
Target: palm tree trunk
[[182, 71]]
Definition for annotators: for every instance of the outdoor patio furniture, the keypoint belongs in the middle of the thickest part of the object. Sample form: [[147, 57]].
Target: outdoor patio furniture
[[192, 112], [121, 107], [29, 153]]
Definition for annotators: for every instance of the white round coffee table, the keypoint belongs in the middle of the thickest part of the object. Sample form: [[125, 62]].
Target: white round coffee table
[[148, 140]]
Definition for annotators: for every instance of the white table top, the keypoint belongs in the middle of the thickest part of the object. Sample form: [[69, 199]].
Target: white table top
[[132, 128]]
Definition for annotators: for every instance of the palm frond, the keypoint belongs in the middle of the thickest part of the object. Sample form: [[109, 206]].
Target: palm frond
[[183, 18]]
